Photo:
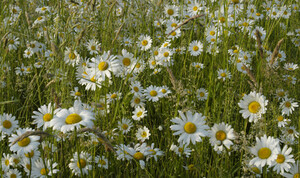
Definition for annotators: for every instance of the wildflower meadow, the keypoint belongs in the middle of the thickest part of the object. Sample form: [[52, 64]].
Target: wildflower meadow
[[149, 88]]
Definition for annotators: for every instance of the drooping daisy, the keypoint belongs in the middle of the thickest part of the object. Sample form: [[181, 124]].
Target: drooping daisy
[[121, 152], [190, 127], [282, 121], [253, 106], [44, 115], [144, 42], [202, 94], [152, 93], [197, 65], [181, 150], [265, 150], [41, 170], [76, 94], [139, 153], [223, 74], [284, 160], [290, 66], [68, 119], [102, 162], [139, 113], [143, 134], [8, 124], [291, 134], [83, 164], [294, 171], [281, 94], [288, 106], [221, 135], [125, 125], [155, 152], [195, 48], [26, 145], [113, 96], [71, 57]]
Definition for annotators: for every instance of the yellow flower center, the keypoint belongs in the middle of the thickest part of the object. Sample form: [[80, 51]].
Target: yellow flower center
[[245, 24], [153, 93], [39, 18], [235, 1], [28, 166], [144, 134], [153, 63], [290, 131], [195, 8], [280, 118], [73, 119], [30, 154], [81, 163], [138, 65], [288, 104], [264, 153], [6, 162], [126, 61], [191, 167], [166, 54], [144, 42], [170, 11], [222, 19], [274, 13], [221, 135], [93, 79], [254, 107], [153, 151], [43, 8], [280, 94], [44, 171], [137, 100], [297, 175], [236, 51], [16, 160], [136, 89], [138, 156], [201, 94], [256, 170], [103, 66], [190, 128], [77, 93], [138, 114], [93, 48], [113, 96], [212, 33], [102, 162], [47, 117], [257, 14], [72, 56], [24, 142], [280, 158], [155, 53], [195, 48], [7, 124], [173, 24], [164, 91], [28, 53], [223, 74], [279, 55], [124, 126], [173, 33]]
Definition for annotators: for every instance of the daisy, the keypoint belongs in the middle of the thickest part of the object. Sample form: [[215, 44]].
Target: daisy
[[165, 90], [105, 65], [121, 152], [194, 8], [82, 165], [221, 135], [93, 46], [195, 48], [202, 94], [27, 166], [39, 20], [253, 106], [155, 152], [284, 160], [44, 115], [223, 74], [68, 119], [127, 41], [90, 80], [197, 65], [281, 94], [125, 125], [144, 42], [139, 153], [26, 145], [211, 34], [33, 155], [174, 34], [38, 64], [28, 53], [265, 150], [290, 66], [6, 162], [8, 124], [288, 106], [153, 62], [13, 43], [102, 107], [171, 11], [13, 173], [43, 9], [41, 170], [282, 122], [190, 127], [289, 78], [294, 171], [126, 59], [181, 150], [152, 93], [71, 57], [15, 160], [101, 162], [76, 94], [143, 134], [166, 44], [137, 101], [290, 133], [139, 113], [241, 67], [113, 96]]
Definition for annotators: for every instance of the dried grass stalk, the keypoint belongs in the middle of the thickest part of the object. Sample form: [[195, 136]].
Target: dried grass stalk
[[119, 30], [258, 39], [29, 133], [104, 140], [186, 21], [27, 19], [275, 52], [251, 76]]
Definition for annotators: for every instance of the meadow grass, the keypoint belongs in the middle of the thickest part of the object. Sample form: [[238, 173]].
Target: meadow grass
[[72, 24]]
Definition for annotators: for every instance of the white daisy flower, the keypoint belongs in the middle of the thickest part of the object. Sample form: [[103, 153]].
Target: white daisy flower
[[202, 94], [155, 152], [76, 94], [165, 90], [121, 152], [253, 106], [171, 11], [33, 155], [290, 66], [223, 74], [143, 134], [190, 127], [136, 88], [102, 162], [221, 135], [6, 162], [13, 173], [288, 106], [44, 115], [144, 42], [139, 113], [71, 57], [83, 164], [113, 96], [41, 170], [8, 124], [68, 119], [284, 160], [93, 46], [294, 171], [181, 150], [174, 34], [126, 60], [152, 93], [195, 48], [282, 121], [137, 101], [125, 125], [26, 145], [139, 153], [197, 65], [265, 150], [281, 94]]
